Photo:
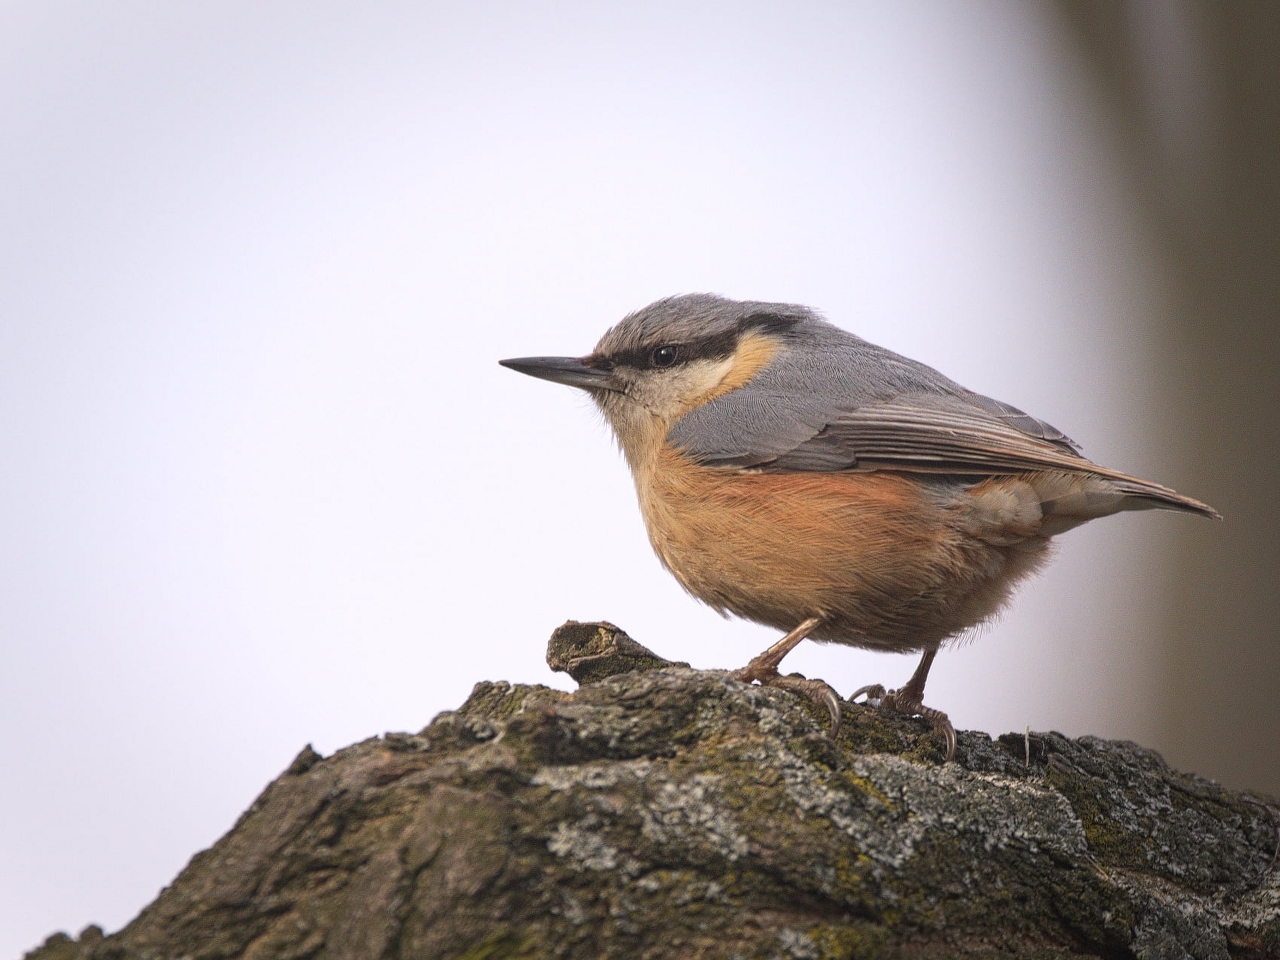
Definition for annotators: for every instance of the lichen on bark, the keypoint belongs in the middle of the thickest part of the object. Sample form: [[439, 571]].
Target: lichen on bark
[[661, 811]]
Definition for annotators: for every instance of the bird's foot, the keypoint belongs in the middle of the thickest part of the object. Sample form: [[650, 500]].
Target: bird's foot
[[894, 701], [816, 690]]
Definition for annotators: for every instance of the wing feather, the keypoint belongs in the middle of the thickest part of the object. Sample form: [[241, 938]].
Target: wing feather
[[880, 411]]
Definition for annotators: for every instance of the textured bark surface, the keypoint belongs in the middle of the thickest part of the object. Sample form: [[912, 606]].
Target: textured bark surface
[[666, 812]]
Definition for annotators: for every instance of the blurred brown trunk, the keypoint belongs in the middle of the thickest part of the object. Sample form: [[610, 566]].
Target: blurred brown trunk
[[1193, 94]]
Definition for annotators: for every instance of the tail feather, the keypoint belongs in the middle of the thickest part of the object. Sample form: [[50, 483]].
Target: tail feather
[[1070, 499], [1153, 496]]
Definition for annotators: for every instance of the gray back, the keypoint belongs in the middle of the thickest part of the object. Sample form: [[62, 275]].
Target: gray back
[[801, 411]]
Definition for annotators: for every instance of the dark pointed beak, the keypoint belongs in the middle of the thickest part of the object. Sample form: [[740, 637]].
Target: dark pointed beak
[[567, 370]]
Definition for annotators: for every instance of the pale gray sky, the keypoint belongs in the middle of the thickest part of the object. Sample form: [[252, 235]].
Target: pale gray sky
[[264, 483]]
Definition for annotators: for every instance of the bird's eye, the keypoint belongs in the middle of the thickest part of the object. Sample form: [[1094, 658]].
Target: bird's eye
[[664, 356]]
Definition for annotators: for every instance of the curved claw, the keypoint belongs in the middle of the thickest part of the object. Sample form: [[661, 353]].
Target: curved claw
[[892, 702], [948, 732], [874, 691], [764, 669], [816, 690], [832, 701], [941, 724]]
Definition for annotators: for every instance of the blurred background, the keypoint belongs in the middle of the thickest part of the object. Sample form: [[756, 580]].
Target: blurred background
[[263, 483]]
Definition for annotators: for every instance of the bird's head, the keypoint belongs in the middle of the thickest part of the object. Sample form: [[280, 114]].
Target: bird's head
[[669, 358]]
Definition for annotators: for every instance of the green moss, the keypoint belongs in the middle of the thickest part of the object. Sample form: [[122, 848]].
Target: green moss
[[501, 700], [1108, 842], [851, 781], [855, 891], [57, 947], [505, 945], [848, 943]]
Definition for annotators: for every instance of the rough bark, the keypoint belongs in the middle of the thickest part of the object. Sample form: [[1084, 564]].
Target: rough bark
[[661, 811]]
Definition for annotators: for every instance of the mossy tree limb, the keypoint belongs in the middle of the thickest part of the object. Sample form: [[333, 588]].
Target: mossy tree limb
[[665, 812]]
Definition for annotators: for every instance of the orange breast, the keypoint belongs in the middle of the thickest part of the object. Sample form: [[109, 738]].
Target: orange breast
[[882, 557]]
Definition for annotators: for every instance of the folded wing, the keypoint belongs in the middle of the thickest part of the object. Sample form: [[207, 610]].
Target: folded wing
[[909, 419]]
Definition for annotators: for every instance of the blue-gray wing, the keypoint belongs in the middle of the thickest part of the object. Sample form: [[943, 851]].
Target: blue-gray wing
[[831, 401]]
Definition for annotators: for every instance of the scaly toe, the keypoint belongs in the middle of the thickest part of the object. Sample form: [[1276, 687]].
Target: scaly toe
[[893, 702], [816, 690]]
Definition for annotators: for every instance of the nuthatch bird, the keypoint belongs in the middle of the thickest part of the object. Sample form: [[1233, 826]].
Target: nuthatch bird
[[796, 475]]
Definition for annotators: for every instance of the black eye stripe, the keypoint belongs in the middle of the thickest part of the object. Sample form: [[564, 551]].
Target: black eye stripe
[[646, 358], [716, 346], [775, 323]]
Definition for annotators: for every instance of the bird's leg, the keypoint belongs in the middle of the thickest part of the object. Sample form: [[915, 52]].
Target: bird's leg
[[909, 701], [764, 669]]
